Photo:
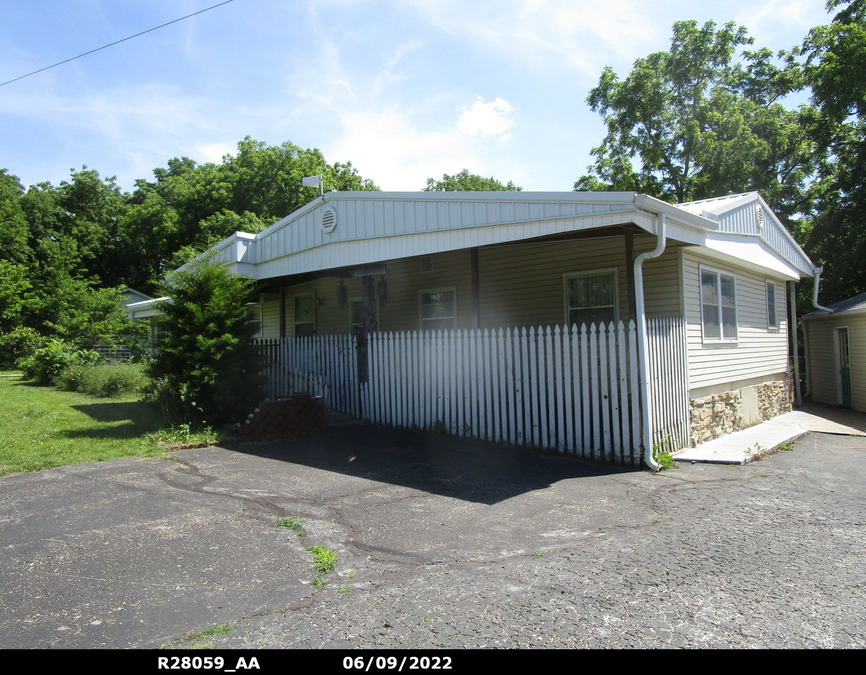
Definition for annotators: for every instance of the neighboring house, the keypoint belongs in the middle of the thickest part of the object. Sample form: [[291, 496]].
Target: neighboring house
[[132, 296], [712, 287], [836, 353]]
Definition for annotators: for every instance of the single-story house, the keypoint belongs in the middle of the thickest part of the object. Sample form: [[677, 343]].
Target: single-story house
[[600, 323], [835, 341]]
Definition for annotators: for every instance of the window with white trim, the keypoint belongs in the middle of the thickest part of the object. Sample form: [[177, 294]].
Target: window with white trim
[[718, 306], [772, 319], [254, 318], [305, 314], [591, 298], [438, 309]]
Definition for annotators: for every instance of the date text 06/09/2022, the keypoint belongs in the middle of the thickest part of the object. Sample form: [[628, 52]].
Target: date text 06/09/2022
[[393, 663]]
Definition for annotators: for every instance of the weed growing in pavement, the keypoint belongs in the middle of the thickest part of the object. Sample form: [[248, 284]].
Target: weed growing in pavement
[[293, 524], [663, 456], [324, 559], [204, 638]]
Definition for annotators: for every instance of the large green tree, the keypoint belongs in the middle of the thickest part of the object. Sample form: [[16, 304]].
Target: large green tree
[[692, 123], [465, 181], [832, 62], [190, 206]]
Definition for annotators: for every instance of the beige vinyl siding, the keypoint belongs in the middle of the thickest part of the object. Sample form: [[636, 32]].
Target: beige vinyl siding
[[406, 282], [760, 353], [271, 320], [662, 278], [519, 285], [821, 336], [523, 285]]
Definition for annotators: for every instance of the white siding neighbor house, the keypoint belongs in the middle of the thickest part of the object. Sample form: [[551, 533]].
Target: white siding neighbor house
[[836, 353], [600, 324]]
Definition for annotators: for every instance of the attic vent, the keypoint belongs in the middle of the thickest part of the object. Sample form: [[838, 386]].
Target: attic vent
[[329, 220], [760, 213], [426, 263]]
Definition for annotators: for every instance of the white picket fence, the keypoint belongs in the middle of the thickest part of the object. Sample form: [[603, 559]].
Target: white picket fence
[[668, 382], [547, 388], [324, 365], [570, 390]]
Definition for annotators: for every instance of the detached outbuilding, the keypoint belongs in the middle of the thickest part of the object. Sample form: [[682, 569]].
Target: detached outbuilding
[[836, 353]]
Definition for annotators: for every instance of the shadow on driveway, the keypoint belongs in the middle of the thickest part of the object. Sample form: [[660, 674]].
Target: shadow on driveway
[[459, 468]]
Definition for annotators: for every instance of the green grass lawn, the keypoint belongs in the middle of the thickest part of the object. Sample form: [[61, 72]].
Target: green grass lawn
[[41, 427]]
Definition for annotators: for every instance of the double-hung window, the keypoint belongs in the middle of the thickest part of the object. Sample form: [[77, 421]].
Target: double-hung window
[[438, 309], [772, 319], [590, 298], [254, 318], [718, 306], [305, 314]]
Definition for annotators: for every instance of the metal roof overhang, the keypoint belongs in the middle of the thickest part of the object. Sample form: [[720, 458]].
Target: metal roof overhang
[[681, 226], [750, 252]]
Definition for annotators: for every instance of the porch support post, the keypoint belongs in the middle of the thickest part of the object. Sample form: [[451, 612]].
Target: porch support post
[[643, 365], [368, 303], [282, 307], [629, 270], [476, 287], [792, 298]]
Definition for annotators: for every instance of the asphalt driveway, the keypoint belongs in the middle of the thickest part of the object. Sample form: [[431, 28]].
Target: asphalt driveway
[[441, 542]]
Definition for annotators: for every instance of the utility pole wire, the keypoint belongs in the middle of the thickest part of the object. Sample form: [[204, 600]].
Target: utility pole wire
[[117, 42]]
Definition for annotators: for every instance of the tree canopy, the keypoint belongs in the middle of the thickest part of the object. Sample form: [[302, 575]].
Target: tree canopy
[[832, 61], [465, 181], [692, 123], [67, 251]]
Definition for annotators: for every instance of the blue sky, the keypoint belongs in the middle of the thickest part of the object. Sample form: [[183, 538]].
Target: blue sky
[[404, 90]]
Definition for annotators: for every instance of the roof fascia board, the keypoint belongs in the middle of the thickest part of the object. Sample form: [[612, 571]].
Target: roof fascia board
[[811, 316], [657, 206], [745, 238], [424, 243], [785, 268]]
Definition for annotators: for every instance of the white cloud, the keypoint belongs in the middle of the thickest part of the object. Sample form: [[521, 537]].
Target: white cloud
[[583, 34], [388, 148], [215, 151], [766, 20], [486, 119]]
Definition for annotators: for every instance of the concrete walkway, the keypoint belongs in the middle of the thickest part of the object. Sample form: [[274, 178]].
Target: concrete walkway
[[768, 437]]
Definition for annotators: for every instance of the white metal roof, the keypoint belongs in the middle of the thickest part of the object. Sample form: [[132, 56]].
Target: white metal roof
[[746, 216], [354, 228]]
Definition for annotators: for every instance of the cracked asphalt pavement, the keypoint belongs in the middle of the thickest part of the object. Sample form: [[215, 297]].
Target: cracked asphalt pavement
[[442, 542]]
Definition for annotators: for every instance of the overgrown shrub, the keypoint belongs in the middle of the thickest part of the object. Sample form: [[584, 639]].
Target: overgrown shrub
[[55, 359], [111, 379], [205, 361], [168, 400], [17, 345]]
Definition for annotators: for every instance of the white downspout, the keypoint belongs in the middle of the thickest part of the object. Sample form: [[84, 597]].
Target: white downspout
[[792, 299], [818, 271], [643, 366]]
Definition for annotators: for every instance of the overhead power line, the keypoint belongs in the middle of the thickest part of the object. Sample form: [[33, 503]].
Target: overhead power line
[[117, 42]]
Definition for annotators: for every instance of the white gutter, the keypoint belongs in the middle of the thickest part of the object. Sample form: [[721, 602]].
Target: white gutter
[[818, 271], [792, 299], [643, 366]]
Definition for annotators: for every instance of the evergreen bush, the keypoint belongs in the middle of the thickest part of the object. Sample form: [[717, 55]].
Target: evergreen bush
[[205, 360]]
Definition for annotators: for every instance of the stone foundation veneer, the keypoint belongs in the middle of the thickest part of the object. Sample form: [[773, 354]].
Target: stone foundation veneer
[[721, 414]]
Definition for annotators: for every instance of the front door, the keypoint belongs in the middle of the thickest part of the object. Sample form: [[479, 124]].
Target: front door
[[844, 361]]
